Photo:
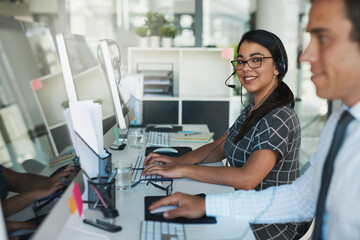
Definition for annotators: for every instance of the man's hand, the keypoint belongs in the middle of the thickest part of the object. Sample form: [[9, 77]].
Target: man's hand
[[189, 206]]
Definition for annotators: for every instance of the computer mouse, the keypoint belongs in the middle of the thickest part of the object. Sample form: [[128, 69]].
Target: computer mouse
[[161, 210], [163, 126], [166, 150]]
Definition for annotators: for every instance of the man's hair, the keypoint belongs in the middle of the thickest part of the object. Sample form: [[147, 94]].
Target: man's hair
[[352, 8], [353, 13]]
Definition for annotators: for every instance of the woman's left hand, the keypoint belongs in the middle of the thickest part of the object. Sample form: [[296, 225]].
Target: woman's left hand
[[176, 171]]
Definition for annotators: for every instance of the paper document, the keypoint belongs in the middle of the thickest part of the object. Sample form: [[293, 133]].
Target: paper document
[[191, 136], [84, 121]]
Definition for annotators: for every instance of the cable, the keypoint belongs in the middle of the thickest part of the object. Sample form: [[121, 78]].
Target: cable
[[202, 160]]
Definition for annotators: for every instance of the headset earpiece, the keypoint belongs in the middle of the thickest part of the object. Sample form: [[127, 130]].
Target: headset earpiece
[[116, 63], [280, 62], [281, 66]]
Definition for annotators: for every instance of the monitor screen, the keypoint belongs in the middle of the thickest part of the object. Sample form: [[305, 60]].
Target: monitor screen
[[111, 60], [55, 222], [84, 75]]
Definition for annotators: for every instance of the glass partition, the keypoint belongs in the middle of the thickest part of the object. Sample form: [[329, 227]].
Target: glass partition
[[27, 57]]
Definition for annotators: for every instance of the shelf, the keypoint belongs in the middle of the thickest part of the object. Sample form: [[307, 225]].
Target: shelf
[[57, 125], [158, 78], [157, 97], [198, 76]]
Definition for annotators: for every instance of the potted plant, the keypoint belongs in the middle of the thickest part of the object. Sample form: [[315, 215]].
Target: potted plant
[[154, 21], [142, 32], [168, 33]]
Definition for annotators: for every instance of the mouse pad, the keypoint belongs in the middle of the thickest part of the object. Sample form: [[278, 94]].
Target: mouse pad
[[181, 151], [153, 217], [159, 129]]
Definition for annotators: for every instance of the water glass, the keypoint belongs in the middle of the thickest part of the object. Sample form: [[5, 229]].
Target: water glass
[[123, 177], [136, 138]]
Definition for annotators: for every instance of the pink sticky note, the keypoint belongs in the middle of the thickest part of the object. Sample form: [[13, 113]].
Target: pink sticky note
[[78, 199], [36, 84], [226, 53]]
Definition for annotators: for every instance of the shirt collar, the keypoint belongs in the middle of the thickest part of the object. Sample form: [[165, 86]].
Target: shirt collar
[[354, 110]]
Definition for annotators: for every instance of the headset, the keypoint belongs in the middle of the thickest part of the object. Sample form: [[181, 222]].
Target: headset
[[116, 62], [279, 62]]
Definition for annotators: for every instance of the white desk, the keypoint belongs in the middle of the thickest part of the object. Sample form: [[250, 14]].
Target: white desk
[[130, 204]]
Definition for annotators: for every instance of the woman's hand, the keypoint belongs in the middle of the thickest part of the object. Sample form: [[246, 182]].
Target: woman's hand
[[152, 158], [68, 172], [48, 190], [172, 171], [13, 226]]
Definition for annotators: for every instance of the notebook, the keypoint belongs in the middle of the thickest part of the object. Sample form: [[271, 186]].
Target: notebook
[[191, 137]]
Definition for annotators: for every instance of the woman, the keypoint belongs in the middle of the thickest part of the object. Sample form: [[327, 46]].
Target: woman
[[263, 145], [30, 187]]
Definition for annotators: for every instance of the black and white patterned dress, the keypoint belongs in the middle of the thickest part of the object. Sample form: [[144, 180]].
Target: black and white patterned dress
[[279, 130], [3, 185]]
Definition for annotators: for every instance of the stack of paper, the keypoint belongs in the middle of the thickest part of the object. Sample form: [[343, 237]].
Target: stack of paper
[[84, 121], [191, 136]]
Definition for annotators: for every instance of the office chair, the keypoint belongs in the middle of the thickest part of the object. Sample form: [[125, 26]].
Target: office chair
[[309, 232], [33, 166]]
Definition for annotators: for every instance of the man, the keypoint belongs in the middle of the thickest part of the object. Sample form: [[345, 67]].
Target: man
[[334, 55]]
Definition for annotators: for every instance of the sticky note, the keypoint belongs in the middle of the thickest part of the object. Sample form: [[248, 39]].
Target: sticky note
[[72, 205], [36, 84], [226, 53], [78, 199]]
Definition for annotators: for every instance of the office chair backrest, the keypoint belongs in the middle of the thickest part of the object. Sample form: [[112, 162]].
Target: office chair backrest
[[309, 232]]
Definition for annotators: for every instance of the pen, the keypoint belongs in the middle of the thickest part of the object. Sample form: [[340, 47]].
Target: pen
[[116, 135], [113, 173], [133, 118], [95, 189], [192, 133]]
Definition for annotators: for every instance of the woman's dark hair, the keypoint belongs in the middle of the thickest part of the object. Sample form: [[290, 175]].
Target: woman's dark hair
[[281, 95]]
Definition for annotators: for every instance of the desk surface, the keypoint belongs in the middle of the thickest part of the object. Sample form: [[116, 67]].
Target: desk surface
[[130, 204]]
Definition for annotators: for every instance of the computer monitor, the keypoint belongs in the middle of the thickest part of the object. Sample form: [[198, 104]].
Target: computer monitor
[[111, 57], [52, 226], [85, 77]]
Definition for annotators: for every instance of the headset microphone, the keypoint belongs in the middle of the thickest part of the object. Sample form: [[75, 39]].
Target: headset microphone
[[230, 85]]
